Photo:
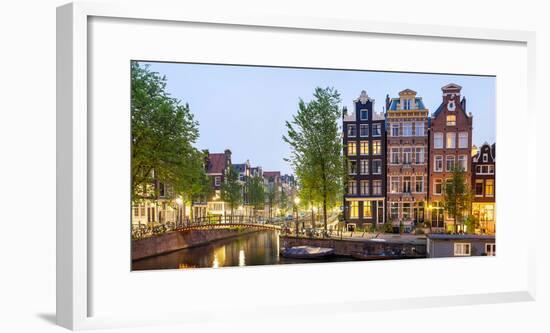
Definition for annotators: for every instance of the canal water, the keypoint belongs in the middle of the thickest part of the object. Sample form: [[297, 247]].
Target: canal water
[[258, 248]]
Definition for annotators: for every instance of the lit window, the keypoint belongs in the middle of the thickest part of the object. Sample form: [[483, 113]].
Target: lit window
[[462, 249], [438, 140], [352, 148], [489, 187], [463, 140], [451, 120], [367, 209], [376, 147], [352, 130], [353, 209], [364, 148], [451, 140]]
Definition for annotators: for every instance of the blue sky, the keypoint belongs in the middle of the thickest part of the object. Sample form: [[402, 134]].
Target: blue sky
[[244, 108]]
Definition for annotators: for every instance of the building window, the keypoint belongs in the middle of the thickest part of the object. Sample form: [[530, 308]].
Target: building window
[[394, 210], [419, 128], [377, 187], [451, 120], [364, 167], [376, 167], [352, 167], [419, 155], [136, 211], [407, 155], [352, 148], [485, 158], [376, 130], [485, 169], [491, 170], [364, 114], [438, 140], [419, 184], [450, 163], [352, 187], [407, 129], [367, 209], [364, 187], [352, 130], [462, 162], [479, 188], [489, 188], [395, 130], [217, 180], [394, 184], [407, 184], [490, 249], [353, 209], [364, 148], [451, 140], [406, 211], [395, 155], [462, 249], [162, 190], [438, 163], [364, 130], [376, 147], [438, 186], [463, 140], [406, 104]]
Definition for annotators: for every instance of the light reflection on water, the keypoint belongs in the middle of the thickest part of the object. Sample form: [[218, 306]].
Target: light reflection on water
[[259, 248]]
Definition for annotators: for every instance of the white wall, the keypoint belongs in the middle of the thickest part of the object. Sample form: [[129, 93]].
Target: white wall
[[27, 164]]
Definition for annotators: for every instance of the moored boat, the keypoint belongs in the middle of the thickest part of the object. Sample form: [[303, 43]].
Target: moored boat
[[380, 256], [307, 252]]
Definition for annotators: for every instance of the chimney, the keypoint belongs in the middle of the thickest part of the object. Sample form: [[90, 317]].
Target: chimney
[[227, 153], [344, 111]]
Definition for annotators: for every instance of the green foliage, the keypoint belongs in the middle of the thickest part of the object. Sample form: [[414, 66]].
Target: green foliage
[[256, 192], [387, 227], [271, 198], [472, 223], [457, 196], [163, 133], [283, 203], [316, 149], [231, 189]]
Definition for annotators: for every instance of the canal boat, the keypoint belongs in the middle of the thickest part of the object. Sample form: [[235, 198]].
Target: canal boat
[[379, 256], [307, 252]]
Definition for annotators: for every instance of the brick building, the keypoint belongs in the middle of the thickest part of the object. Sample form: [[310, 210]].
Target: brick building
[[483, 182]]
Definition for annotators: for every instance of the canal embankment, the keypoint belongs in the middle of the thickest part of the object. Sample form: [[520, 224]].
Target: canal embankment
[[178, 240], [345, 247]]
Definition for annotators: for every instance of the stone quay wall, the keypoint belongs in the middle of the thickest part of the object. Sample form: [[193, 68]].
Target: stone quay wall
[[177, 240]]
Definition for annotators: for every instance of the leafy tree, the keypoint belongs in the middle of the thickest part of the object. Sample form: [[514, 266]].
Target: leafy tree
[[316, 148], [231, 190], [256, 193], [271, 199], [283, 202], [163, 133], [457, 196]]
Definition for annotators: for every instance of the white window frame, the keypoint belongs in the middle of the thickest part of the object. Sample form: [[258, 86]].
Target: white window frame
[[408, 128], [436, 182], [374, 151], [394, 150], [349, 126], [363, 126], [377, 125], [419, 125], [436, 169], [490, 249], [416, 183], [407, 155], [439, 137], [361, 114], [422, 154], [447, 141], [447, 159], [465, 160], [463, 136], [361, 169], [379, 187], [460, 249], [217, 180], [394, 127], [373, 170]]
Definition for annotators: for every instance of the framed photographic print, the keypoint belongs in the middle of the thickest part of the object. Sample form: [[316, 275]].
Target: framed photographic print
[[265, 149]]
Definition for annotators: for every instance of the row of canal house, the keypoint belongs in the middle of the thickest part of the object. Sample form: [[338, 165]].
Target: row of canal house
[[398, 161], [167, 209]]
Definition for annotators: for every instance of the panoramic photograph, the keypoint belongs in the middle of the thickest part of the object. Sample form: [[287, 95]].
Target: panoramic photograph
[[235, 165]]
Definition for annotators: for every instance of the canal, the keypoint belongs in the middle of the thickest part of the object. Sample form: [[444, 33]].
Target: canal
[[258, 248]]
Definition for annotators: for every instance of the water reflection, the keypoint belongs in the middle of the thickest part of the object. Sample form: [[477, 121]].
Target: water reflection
[[259, 248]]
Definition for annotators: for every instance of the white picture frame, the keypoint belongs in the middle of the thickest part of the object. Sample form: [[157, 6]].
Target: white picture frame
[[74, 286]]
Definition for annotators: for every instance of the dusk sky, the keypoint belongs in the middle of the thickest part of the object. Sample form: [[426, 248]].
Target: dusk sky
[[244, 108]]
